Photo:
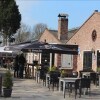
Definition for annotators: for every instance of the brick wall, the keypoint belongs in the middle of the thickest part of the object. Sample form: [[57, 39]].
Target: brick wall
[[62, 28], [74, 62], [83, 38], [58, 60], [49, 37]]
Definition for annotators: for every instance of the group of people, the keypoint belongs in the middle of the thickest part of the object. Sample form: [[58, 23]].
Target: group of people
[[19, 64]]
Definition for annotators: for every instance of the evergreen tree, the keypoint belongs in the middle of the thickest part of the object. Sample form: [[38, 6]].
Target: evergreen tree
[[10, 18]]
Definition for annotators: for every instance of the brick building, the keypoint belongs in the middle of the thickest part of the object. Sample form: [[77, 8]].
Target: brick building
[[60, 36], [88, 39]]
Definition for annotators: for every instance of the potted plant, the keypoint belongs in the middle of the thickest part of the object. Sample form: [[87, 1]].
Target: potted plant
[[63, 73], [37, 67], [7, 84], [53, 68]]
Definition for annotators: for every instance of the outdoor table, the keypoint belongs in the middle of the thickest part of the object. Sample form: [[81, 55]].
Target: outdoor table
[[66, 80], [47, 79]]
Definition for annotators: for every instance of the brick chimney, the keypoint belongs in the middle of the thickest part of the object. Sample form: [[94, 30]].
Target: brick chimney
[[63, 26]]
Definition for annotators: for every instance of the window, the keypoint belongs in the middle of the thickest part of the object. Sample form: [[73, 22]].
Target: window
[[98, 58], [87, 60], [94, 35]]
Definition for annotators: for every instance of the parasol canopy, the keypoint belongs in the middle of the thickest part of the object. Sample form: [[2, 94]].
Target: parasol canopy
[[41, 47]]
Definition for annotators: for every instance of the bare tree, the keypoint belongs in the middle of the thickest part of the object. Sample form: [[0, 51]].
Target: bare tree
[[38, 29], [23, 34]]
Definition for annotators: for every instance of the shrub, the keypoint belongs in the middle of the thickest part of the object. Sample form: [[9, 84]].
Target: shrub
[[7, 81]]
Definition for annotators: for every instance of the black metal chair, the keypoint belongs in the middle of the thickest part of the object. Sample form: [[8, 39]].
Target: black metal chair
[[78, 87], [54, 80], [44, 79], [81, 84], [94, 78], [84, 71], [97, 80], [86, 83], [70, 86], [43, 72]]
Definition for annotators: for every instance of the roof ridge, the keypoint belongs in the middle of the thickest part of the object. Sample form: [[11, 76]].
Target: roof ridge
[[52, 30], [73, 28], [83, 24]]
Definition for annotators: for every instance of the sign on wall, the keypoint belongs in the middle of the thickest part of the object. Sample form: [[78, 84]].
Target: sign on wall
[[66, 61]]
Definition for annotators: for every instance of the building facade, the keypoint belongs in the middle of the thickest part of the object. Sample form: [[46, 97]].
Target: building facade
[[88, 39], [60, 36]]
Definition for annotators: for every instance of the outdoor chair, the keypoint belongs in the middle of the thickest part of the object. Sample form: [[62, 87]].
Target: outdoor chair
[[81, 84], [94, 78], [84, 71], [86, 83], [72, 87], [97, 80], [43, 72], [43, 77], [78, 86], [54, 80]]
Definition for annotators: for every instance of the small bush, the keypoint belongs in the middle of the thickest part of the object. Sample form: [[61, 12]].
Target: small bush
[[7, 81]]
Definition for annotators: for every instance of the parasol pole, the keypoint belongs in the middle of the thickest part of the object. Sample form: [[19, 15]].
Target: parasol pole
[[50, 61]]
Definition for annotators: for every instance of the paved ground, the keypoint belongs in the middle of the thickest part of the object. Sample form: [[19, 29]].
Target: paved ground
[[28, 89]]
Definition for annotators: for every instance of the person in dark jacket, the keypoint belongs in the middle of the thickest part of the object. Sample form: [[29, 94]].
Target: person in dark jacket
[[22, 62], [16, 66]]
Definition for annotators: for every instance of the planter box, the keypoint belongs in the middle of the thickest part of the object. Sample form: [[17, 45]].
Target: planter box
[[7, 92]]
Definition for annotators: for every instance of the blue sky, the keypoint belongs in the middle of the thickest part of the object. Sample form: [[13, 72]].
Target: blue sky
[[46, 11]]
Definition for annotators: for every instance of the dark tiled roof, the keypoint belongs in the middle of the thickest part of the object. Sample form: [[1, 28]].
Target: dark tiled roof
[[54, 32], [70, 33], [23, 42], [26, 42]]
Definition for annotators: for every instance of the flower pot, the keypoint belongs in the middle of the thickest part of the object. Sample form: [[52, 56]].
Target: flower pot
[[7, 92]]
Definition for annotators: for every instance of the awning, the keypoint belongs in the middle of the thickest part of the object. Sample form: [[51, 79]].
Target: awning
[[51, 48]]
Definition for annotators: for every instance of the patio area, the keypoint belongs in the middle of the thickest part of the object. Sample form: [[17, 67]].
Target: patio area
[[29, 89]]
